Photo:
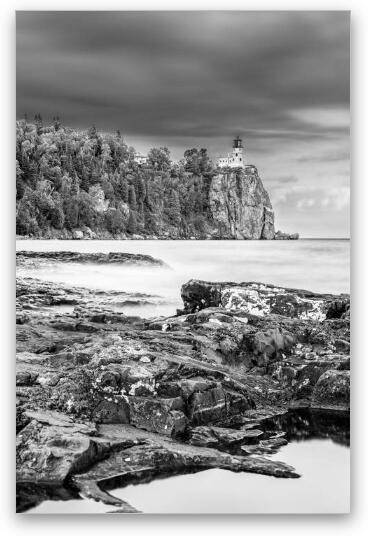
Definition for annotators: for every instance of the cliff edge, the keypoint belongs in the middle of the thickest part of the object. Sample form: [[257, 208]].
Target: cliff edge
[[240, 205]]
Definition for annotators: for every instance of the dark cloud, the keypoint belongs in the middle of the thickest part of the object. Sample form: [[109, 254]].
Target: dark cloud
[[192, 78], [198, 74]]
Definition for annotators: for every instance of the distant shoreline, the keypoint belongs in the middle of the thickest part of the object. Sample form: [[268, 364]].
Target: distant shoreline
[[23, 238]]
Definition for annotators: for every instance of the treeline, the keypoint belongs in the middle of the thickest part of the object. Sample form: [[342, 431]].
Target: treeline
[[69, 179]]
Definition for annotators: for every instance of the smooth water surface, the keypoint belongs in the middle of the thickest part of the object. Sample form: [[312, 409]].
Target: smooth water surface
[[324, 487], [317, 265]]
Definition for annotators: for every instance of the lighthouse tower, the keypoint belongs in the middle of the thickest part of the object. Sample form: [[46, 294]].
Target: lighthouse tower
[[234, 159], [237, 155]]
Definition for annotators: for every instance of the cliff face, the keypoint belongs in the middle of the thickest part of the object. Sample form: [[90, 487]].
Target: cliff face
[[240, 206]]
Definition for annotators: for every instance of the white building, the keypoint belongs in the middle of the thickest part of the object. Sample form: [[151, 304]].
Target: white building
[[235, 158], [140, 158]]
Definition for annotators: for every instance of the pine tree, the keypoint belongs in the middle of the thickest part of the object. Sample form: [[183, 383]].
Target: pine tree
[[132, 223], [132, 198]]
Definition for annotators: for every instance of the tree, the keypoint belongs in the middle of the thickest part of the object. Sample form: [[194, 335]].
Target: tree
[[66, 178], [192, 161], [159, 158], [132, 223], [114, 221], [132, 198], [56, 122], [173, 208], [39, 123], [92, 132]]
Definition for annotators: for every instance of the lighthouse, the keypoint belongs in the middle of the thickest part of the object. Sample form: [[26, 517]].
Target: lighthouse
[[235, 158]]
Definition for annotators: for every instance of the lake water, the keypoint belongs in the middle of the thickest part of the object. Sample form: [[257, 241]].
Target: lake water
[[318, 265], [324, 487]]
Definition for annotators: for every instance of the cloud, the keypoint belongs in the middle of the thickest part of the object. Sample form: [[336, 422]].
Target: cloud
[[329, 118], [304, 199]]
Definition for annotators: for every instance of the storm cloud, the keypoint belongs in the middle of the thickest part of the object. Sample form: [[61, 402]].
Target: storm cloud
[[182, 79]]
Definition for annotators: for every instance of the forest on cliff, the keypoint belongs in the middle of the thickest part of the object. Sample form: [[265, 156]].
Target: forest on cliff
[[68, 179]]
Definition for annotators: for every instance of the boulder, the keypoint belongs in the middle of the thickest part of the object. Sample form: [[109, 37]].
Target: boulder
[[262, 300], [207, 406], [332, 391], [271, 345], [160, 415], [78, 235], [111, 411], [48, 454]]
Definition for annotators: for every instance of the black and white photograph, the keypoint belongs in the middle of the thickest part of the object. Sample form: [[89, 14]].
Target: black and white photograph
[[182, 262]]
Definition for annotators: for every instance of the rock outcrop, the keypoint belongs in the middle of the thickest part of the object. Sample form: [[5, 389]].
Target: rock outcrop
[[240, 205], [25, 257], [105, 398], [263, 299]]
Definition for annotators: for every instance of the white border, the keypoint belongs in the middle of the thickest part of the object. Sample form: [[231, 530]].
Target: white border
[[177, 525]]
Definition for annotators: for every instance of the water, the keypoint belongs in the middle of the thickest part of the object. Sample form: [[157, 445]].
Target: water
[[217, 490], [318, 265], [318, 449]]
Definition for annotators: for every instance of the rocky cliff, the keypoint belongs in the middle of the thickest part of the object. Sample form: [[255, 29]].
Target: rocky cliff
[[240, 205]]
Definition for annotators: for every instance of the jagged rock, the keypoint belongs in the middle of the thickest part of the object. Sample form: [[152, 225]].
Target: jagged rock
[[98, 314], [48, 454], [207, 406], [26, 377], [163, 416], [332, 391], [271, 345], [214, 436], [308, 375], [154, 455], [110, 411], [279, 235], [21, 417]]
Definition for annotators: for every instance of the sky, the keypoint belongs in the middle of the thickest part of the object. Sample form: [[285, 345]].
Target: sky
[[280, 80]]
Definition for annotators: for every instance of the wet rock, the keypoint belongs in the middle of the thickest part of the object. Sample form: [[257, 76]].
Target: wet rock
[[111, 411], [259, 299], [99, 314], [26, 377], [98, 258], [48, 454], [158, 455], [21, 418], [342, 345], [266, 446], [214, 436], [279, 235], [163, 416], [207, 406], [308, 375], [332, 391], [21, 317], [271, 345]]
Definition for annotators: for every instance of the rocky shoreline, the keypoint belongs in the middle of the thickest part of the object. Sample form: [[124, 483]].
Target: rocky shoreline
[[104, 399], [88, 234]]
